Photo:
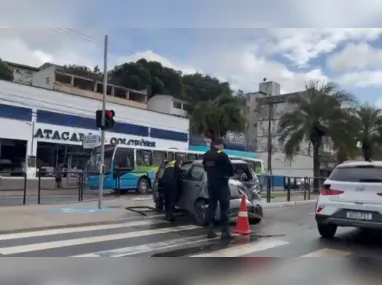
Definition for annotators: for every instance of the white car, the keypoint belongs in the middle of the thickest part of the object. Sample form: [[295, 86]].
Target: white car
[[350, 197]]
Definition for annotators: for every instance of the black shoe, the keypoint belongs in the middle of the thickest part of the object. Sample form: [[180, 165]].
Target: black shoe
[[226, 235], [211, 233]]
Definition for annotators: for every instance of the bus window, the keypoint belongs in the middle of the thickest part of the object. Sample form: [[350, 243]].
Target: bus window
[[251, 164], [192, 156], [259, 167], [158, 157], [144, 157], [170, 156], [181, 155], [124, 158], [200, 156]]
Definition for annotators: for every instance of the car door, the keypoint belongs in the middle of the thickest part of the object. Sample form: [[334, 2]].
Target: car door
[[193, 183]]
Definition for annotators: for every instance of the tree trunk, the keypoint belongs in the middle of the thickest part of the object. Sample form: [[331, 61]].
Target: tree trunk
[[316, 165]]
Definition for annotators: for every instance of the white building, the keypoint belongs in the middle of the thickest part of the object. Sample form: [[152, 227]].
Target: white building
[[22, 73], [302, 163], [48, 125], [169, 105]]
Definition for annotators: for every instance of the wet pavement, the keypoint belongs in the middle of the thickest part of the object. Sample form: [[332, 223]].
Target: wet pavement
[[284, 232]]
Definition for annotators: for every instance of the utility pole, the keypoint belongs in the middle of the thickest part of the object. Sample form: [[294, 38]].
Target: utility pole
[[102, 163], [269, 184]]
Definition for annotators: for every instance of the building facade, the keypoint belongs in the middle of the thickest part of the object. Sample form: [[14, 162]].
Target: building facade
[[169, 105], [302, 163], [40, 127], [22, 73]]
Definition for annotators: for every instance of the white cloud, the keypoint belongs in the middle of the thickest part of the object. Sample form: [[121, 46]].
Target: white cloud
[[355, 56], [240, 64], [37, 46], [302, 45], [362, 79]]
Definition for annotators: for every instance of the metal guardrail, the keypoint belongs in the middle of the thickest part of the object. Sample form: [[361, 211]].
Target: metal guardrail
[[17, 189]]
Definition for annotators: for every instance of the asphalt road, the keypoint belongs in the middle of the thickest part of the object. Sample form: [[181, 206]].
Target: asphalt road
[[284, 232]]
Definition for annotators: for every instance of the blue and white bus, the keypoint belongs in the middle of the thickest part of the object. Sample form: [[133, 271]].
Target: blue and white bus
[[137, 166]]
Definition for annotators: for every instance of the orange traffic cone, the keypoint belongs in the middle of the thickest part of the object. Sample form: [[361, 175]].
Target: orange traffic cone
[[242, 223]]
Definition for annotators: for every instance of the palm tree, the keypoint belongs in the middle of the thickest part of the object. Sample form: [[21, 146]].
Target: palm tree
[[316, 113], [366, 126], [214, 118]]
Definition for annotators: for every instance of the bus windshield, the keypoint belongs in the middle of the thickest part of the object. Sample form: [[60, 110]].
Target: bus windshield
[[95, 159]]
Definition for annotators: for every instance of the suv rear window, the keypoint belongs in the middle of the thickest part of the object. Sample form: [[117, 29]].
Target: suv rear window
[[369, 174]]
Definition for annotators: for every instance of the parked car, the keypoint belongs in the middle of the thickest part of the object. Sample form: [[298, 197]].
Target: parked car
[[351, 197], [193, 196]]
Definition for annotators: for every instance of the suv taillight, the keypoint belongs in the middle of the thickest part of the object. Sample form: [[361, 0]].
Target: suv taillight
[[331, 192]]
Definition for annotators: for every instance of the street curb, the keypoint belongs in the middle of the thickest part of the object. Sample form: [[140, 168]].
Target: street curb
[[288, 204]]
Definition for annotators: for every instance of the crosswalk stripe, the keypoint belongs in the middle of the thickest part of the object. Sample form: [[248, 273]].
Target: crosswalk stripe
[[131, 250], [88, 240], [244, 249], [327, 252], [76, 230]]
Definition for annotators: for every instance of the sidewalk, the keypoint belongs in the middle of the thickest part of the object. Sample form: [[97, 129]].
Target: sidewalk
[[16, 218]]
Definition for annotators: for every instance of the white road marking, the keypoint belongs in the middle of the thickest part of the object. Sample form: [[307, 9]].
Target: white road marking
[[88, 240], [76, 230], [244, 249], [326, 252], [131, 250]]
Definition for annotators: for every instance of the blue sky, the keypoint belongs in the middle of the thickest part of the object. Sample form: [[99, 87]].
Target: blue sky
[[220, 38]]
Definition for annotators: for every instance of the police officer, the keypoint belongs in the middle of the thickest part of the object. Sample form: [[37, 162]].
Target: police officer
[[219, 169], [171, 182]]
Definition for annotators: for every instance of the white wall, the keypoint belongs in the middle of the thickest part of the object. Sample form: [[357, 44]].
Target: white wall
[[160, 103], [39, 78], [49, 100], [165, 104]]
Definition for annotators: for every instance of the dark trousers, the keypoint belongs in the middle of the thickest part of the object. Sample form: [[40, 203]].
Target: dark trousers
[[170, 198], [218, 194]]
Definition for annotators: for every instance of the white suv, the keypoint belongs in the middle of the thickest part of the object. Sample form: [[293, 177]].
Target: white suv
[[351, 197]]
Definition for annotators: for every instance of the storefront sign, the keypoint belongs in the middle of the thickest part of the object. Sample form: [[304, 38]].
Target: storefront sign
[[59, 136], [132, 142], [91, 141], [79, 137]]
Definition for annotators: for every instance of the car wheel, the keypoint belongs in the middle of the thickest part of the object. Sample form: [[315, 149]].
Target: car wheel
[[200, 211], [258, 212], [327, 231], [143, 186]]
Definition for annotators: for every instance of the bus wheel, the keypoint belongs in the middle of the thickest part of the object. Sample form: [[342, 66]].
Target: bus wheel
[[143, 186]]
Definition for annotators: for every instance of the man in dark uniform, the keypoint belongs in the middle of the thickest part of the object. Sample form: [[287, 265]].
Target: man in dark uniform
[[171, 182], [219, 169]]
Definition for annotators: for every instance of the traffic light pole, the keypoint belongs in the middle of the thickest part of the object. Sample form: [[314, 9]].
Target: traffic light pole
[[102, 164]]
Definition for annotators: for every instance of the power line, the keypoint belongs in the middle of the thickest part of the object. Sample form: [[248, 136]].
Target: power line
[[79, 36]]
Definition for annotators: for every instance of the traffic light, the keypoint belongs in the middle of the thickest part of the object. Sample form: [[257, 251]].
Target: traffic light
[[109, 119], [99, 119]]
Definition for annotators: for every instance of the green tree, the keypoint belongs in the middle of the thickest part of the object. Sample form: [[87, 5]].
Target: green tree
[[366, 126], [6, 72], [199, 87], [214, 118], [150, 75], [318, 112]]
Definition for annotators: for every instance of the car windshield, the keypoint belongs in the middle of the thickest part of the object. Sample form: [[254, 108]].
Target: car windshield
[[366, 174]]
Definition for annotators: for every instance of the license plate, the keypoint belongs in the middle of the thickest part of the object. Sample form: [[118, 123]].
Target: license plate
[[359, 216]]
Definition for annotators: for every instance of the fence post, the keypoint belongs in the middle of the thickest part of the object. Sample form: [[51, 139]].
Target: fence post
[[268, 189], [25, 189], [39, 187], [288, 189], [309, 188]]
